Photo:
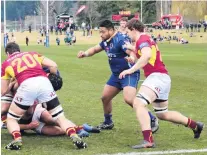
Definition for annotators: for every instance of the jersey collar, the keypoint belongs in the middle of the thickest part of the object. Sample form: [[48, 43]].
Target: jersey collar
[[112, 36]]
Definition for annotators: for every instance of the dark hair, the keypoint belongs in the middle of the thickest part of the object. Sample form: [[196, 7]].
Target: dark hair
[[124, 19], [12, 47], [135, 24], [107, 24]]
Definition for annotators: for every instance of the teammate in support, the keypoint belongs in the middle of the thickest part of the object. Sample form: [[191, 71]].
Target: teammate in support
[[113, 44], [156, 87], [123, 29], [33, 85]]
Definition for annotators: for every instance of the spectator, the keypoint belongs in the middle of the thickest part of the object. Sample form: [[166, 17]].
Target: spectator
[[58, 41], [199, 26], [83, 26], [27, 40], [7, 37], [73, 39], [51, 29], [88, 28], [30, 29], [72, 28], [195, 27], [183, 41], [205, 26], [187, 27], [191, 27], [13, 38]]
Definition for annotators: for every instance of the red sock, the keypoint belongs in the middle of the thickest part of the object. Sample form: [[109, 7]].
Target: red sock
[[3, 118], [147, 134], [78, 128], [70, 131], [191, 124], [16, 135]]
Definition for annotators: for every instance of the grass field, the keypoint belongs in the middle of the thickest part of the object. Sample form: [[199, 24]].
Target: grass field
[[80, 97]]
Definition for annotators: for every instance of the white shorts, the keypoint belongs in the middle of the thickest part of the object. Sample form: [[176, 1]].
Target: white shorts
[[160, 83], [36, 88], [36, 117]]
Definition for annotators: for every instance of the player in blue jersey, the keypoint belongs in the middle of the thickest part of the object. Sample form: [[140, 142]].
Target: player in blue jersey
[[113, 43]]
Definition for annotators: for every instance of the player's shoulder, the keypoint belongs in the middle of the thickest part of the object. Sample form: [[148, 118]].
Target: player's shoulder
[[143, 41], [4, 64], [144, 37], [32, 52], [122, 36]]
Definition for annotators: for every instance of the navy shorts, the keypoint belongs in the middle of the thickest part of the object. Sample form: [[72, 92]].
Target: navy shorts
[[129, 80]]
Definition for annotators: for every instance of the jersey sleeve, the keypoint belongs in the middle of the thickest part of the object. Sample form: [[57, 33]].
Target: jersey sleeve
[[38, 57], [143, 42], [7, 72], [102, 44]]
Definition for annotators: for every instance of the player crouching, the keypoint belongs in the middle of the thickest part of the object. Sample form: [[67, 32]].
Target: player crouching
[[26, 68]]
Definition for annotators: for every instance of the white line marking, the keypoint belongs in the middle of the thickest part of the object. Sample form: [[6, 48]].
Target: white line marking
[[160, 152]]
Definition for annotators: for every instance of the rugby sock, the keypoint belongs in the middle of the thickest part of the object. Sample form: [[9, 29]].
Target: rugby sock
[[147, 134], [16, 135], [78, 128], [108, 118], [152, 117], [70, 131], [191, 124]]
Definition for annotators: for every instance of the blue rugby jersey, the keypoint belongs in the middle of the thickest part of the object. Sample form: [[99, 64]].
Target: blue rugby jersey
[[116, 52]]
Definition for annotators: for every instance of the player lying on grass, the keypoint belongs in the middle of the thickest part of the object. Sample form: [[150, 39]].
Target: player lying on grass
[[113, 44], [34, 85], [41, 121], [156, 87]]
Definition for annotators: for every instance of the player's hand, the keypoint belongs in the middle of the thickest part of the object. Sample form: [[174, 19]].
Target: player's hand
[[128, 45], [130, 59], [124, 73], [81, 54], [13, 85], [33, 124]]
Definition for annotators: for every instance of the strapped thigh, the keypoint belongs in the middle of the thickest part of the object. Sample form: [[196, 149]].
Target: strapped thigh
[[144, 98], [54, 108]]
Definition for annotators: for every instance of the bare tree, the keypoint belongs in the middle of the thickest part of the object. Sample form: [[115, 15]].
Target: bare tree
[[92, 12]]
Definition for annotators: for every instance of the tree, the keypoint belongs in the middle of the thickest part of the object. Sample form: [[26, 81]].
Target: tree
[[18, 9]]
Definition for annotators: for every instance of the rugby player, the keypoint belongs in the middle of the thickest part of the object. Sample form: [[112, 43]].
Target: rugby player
[[33, 83], [113, 43], [156, 87]]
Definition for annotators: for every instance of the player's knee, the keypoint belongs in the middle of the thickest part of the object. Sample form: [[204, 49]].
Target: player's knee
[[141, 100], [59, 131], [105, 99], [47, 118], [162, 116], [12, 115], [161, 113], [129, 100], [54, 108]]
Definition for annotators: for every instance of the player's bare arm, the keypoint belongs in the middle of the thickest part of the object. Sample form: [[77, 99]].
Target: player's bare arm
[[90, 52], [4, 86], [30, 126], [143, 60], [50, 64]]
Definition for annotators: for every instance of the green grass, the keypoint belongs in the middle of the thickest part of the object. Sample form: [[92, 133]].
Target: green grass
[[80, 97]]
